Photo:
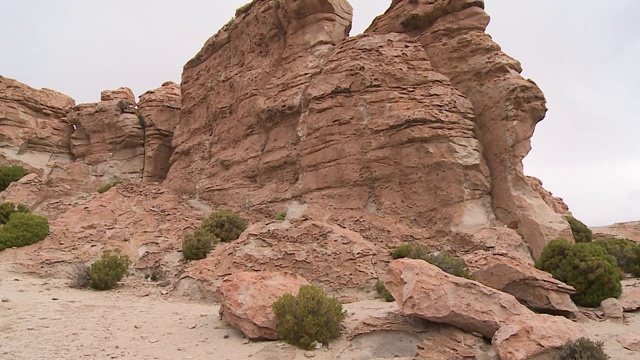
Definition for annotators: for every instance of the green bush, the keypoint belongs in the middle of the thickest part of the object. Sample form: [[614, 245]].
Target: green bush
[[411, 251], [23, 229], [585, 266], [9, 174], [108, 186], [579, 230], [111, 268], [382, 291], [626, 252], [281, 216], [225, 225], [198, 244], [310, 317], [451, 264], [8, 208], [581, 349]]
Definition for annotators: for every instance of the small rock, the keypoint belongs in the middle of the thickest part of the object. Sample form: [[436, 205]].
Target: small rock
[[191, 326], [309, 354], [245, 341], [153, 341], [226, 336], [54, 299], [6, 299], [164, 292], [611, 308]]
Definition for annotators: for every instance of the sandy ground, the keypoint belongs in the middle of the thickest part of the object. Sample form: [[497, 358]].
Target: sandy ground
[[43, 318]]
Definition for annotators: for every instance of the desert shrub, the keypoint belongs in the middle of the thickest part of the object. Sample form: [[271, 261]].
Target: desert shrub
[[108, 186], [281, 216], [111, 268], [553, 254], [581, 349], [585, 266], [308, 318], [579, 230], [411, 251], [8, 208], [225, 225], [382, 291], [198, 244], [123, 105], [626, 252], [23, 229], [9, 174], [450, 264], [79, 276]]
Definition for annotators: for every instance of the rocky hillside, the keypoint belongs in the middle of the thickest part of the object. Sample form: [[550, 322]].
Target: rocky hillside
[[414, 131]]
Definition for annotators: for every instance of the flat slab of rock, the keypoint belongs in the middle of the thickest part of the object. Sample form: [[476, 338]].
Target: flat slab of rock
[[425, 291], [629, 341], [630, 298], [535, 336], [536, 288], [246, 299]]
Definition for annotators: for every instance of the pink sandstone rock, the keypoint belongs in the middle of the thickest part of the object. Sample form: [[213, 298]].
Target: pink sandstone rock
[[246, 300]]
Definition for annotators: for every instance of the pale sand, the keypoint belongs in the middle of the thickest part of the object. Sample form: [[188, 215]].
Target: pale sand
[[45, 319]]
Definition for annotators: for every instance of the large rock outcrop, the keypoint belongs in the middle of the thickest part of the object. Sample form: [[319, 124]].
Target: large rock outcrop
[[159, 111], [109, 137], [363, 124], [507, 106], [35, 132]]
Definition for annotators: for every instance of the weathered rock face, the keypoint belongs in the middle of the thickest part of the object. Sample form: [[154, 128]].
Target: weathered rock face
[[557, 204], [535, 336], [630, 298], [423, 290], [246, 300], [336, 258], [160, 111], [108, 139], [379, 330], [507, 106], [629, 230], [35, 132], [145, 221], [536, 288], [343, 127]]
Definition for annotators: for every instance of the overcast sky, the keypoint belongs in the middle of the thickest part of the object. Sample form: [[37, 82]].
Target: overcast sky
[[585, 55]]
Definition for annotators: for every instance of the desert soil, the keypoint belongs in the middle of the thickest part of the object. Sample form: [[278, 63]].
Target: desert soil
[[42, 318]]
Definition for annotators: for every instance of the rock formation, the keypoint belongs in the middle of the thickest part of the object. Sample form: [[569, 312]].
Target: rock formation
[[507, 106], [35, 132], [159, 112]]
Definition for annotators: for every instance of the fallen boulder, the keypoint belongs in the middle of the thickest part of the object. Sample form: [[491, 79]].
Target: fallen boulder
[[536, 288], [535, 336], [425, 291], [246, 299]]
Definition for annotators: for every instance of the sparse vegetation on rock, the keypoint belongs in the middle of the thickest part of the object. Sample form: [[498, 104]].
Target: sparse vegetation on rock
[[585, 266], [450, 264], [225, 225], [281, 216], [9, 174], [447, 262], [22, 229], [111, 268], [198, 244], [579, 230], [411, 251], [383, 292], [581, 349], [626, 252], [108, 186], [310, 317]]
